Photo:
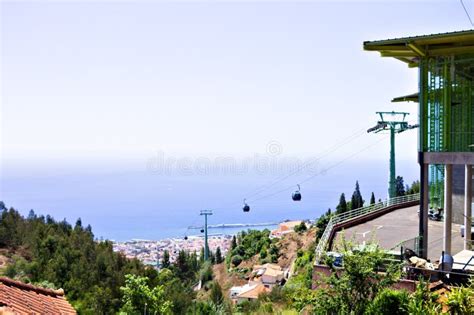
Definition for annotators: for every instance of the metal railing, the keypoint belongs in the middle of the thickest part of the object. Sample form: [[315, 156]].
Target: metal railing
[[353, 214], [412, 244]]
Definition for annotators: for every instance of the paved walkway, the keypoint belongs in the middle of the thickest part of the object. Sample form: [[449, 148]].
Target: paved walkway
[[400, 225]]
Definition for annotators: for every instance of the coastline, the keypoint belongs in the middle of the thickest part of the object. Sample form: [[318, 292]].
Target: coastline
[[150, 252]]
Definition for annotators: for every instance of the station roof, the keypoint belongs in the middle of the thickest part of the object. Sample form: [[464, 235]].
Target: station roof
[[411, 49], [406, 98]]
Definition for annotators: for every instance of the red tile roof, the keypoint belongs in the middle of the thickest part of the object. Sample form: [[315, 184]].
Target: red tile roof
[[21, 298]]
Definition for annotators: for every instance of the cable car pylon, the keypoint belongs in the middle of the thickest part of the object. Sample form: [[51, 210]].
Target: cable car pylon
[[206, 213], [397, 124]]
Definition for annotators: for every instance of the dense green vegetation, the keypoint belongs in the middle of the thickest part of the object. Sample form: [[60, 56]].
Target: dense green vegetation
[[250, 243], [96, 280], [68, 257]]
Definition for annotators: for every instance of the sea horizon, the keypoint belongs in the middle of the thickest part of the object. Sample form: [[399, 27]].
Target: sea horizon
[[125, 203], [122, 203]]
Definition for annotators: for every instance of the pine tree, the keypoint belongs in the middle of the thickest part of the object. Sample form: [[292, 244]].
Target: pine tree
[[356, 200], [201, 255], [234, 243], [31, 214], [216, 293], [399, 186], [342, 206], [78, 225], [182, 265], [372, 199], [218, 255], [165, 261]]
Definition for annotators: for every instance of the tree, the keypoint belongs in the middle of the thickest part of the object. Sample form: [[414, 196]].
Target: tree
[[322, 223], [356, 199], [78, 225], [236, 260], [234, 243], [182, 266], [372, 199], [348, 291], [138, 296], [274, 253], [342, 206], [206, 272], [219, 258], [212, 257], [165, 261], [399, 186], [300, 227], [31, 214], [216, 293], [414, 189]]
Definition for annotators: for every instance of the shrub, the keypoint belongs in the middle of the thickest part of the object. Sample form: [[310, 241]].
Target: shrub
[[389, 302], [423, 301], [236, 260], [461, 301], [206, 273], [300, 227]]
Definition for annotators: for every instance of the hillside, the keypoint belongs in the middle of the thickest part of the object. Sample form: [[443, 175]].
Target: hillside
[[288, 247]]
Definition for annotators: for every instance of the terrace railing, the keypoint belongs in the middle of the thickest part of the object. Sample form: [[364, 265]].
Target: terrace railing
[[357, 213]]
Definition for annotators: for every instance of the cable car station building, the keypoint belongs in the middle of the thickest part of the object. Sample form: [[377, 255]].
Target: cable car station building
[[446, 118]]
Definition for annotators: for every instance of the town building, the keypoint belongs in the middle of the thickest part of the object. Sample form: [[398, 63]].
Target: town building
[[268, 274], [284, 228], [247, 292]]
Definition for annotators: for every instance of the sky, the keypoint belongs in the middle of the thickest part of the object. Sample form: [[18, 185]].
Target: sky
[[106, 80]]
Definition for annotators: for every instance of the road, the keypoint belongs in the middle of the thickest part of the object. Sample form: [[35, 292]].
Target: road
[[400, 225]]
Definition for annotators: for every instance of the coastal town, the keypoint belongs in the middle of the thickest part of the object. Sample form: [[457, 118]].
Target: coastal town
[[150, 252]]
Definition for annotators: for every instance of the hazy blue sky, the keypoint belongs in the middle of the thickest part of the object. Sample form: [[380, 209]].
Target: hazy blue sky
[[112, 79]]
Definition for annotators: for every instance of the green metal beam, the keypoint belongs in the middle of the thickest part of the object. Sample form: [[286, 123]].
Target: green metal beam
[[418, 50], [389, 53]]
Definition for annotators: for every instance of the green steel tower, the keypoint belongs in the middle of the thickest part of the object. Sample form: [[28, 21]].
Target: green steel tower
[[395, 124], [206, 213]]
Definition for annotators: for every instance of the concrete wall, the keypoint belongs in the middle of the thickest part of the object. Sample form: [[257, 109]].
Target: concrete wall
[[458, 194]]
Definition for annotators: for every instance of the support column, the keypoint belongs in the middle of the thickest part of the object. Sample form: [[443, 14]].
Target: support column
[[424, 206], [467, 206], [448, 205], [392, 184]]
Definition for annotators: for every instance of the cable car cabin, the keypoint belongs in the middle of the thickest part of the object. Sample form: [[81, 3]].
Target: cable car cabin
[[296, 195], [185, 238], [202, 230], [246, 207]]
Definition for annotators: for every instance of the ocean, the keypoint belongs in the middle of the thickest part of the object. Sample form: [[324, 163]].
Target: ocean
[[126, 202]]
